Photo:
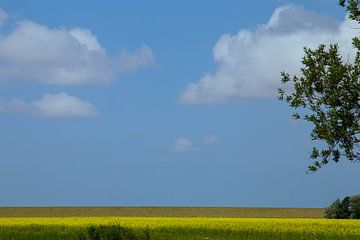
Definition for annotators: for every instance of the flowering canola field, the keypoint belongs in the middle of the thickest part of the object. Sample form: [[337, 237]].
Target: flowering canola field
[[212, 228]]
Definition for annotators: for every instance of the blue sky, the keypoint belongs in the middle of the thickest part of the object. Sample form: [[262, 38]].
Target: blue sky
[[159, 103]]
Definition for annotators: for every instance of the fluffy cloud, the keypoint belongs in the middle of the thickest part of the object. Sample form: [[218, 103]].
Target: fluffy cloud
[[250, 62], [141, 58], [32, 51], [59, 105], [209, 140], [182, 145]]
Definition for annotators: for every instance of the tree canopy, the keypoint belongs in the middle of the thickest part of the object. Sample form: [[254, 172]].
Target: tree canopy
[[328, 92], [349, 207]]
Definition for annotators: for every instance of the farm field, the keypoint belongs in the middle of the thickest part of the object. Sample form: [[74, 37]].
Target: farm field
[[225, 212], [176, 223], [185, 228]]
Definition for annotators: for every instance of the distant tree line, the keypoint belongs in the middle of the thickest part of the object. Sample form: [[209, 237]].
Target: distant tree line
[[348, 208]]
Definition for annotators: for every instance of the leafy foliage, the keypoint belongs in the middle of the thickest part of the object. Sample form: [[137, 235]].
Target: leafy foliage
[[349, 207], [351, 6], [338, 209], [329, 92], [354, 207]]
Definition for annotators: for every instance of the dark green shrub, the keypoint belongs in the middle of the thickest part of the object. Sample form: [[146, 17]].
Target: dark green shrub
[[94, 233], [115, 232]]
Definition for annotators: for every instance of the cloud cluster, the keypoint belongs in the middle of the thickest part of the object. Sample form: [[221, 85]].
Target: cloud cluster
[[182, 145], [250, 62], [59, 56], [59, 105], [186, 145]]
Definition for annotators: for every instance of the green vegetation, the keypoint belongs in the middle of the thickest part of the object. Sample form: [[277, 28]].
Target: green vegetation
[[115, 232], [161, 212], [40, 232], [349, 207], [93, 232], [328, 92], [206, 234]]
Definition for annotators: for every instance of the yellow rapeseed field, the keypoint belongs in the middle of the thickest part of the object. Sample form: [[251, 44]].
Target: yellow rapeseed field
[[269, 225]]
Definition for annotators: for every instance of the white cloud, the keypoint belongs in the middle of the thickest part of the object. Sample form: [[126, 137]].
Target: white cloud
[[187, 145], [250, 62], [141, 58], [182, 145], [210, 139], [59, 105], [36, 52]]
